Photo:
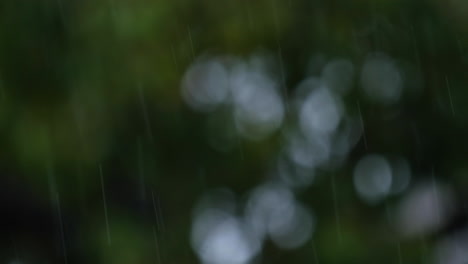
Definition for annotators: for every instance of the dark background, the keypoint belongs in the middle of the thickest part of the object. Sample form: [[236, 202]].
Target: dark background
[[93, 125]]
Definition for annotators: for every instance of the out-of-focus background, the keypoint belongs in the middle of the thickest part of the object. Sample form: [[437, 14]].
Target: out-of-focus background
[[233, 132]]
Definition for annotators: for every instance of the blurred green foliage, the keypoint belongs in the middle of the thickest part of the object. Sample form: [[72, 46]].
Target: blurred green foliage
[[85, 84]]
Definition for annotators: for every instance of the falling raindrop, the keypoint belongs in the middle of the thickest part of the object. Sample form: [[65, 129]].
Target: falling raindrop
[[105, 206]]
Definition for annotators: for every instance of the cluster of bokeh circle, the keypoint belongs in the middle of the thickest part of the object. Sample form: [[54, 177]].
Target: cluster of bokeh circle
[[317, 133]]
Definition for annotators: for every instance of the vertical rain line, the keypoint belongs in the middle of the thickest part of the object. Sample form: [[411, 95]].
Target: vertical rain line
[[400, 257], [141, 172], [283, 78], [158, 224], [113, 13], [15, 248], [238, 137], [158, 251], [249, 15], [356, 40], [191, 42], [144, 109], [335, 204], [461, 49], [2, 92], [450, 94], [280, 56], [241, 149], [362, 125], [81, 132], [54, 198], [160, 214], [424, 249], [387, 214], [437, 204], [314, 250], [62, 233], [61, 10], [416, 49], [390, 224], [174, 58], [105, 205], [202, 179]]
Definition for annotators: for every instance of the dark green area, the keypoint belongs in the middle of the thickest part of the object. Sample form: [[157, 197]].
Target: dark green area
[[90, 84]]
